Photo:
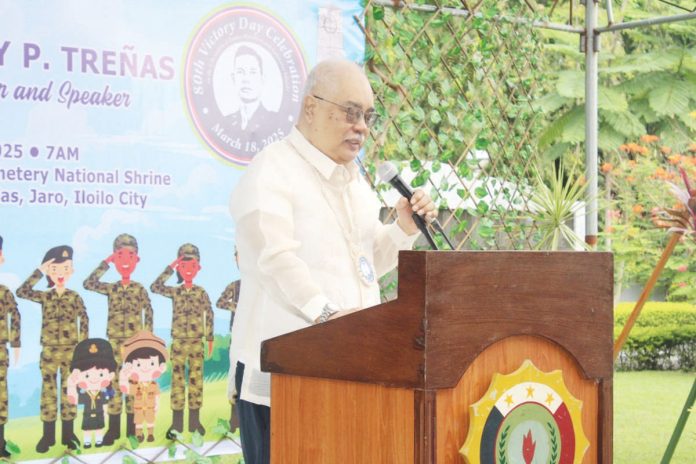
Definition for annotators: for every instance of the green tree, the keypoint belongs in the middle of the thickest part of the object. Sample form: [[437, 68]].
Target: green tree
[[647, 83], [639, 175]]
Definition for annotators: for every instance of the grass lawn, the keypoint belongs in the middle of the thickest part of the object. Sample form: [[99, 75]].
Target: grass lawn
[[646, 407]]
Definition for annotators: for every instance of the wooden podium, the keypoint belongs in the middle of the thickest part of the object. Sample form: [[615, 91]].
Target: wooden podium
[[395, 383]]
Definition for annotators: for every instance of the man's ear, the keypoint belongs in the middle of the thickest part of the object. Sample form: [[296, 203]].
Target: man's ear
[[309, 106]]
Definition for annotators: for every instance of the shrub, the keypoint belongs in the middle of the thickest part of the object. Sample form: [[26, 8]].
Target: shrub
[[663, 338]]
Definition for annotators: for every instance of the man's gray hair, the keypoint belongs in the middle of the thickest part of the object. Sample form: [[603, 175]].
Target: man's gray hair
[[323, 75]]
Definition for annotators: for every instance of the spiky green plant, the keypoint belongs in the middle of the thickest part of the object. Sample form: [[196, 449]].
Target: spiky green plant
[[553, 203]]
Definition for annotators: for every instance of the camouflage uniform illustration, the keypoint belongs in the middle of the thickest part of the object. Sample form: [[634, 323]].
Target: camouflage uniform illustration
[[192, 319], [145, 360], [129, 311], [228, 300], [93, 369], [8, 333], [64, 323]]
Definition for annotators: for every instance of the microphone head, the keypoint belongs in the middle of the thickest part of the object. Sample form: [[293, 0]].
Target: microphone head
[[387, 171]]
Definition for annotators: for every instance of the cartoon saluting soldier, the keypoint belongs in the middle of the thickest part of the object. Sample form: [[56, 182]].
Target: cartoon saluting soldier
[[228, 300], [8, 333], [145, 360], [192, 320], [93, 367], [64, 323], [129, 311], [230, 295]]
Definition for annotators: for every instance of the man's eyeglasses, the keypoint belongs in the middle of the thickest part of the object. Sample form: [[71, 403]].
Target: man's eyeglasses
[[353, 115]]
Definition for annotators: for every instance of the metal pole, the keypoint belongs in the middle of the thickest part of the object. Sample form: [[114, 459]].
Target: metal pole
[[610, 13], [647, 22], [465, 13], [645, 294], [591, 39], [681, 422]]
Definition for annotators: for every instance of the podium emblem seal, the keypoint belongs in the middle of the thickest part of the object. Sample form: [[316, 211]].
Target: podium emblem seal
[[526, 417]]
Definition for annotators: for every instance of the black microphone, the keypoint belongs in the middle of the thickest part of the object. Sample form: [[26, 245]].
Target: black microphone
[[387, 172]]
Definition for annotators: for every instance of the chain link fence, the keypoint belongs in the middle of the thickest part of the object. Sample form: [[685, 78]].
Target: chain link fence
[[456, 89], [456, 85]]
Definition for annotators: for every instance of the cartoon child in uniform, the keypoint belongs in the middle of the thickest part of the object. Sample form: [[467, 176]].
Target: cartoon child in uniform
[[89, 384], [145, 360]]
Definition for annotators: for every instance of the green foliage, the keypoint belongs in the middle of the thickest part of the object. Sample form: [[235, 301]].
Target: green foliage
[[646, 82], [197, 439], [664, 337], [637, 179], [12, 447], [501, 455], [451, 88], [171, 449], [222, 427], [553, 201], [653, 348], [133, 442], [193, 457], [554, 442]]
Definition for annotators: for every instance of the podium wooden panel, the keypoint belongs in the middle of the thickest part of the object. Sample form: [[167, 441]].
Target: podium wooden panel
[[393, 383]]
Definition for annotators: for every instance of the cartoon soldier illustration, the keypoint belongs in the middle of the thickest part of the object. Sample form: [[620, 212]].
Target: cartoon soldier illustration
[[192, 319], [93, 367], [8, 333], [145, 360], [64, 323], [230, 295], [129, 311], [228, 300]]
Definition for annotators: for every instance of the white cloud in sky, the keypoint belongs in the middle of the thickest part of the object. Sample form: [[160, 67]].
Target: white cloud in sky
[[190, 218], [164, 209], [112, 221]]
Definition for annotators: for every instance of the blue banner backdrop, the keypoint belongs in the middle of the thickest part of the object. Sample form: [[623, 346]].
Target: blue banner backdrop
[[139, 117]]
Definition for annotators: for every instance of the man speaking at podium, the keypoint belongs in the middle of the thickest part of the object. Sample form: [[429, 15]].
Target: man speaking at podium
[[311, 246]]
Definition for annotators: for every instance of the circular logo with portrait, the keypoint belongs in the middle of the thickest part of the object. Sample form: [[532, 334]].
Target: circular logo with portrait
[[243, 80]]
